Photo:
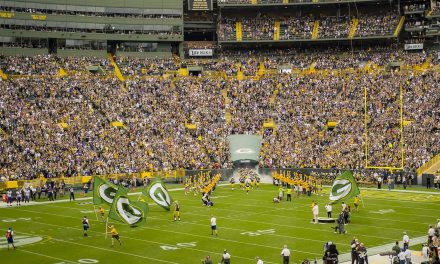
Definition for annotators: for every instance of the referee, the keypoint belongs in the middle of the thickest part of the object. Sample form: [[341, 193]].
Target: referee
[[286, 254]]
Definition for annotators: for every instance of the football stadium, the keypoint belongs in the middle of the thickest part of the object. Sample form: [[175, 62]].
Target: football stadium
[[220, 131]]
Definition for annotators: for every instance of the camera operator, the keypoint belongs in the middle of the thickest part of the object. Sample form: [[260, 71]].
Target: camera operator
[[330, 254]]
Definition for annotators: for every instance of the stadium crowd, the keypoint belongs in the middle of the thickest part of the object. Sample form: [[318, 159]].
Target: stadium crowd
[[154, 112], [301, 27]]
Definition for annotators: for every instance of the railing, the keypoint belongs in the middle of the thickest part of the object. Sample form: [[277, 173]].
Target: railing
[[238, 31], [276, 35], [315, 33], [172, 175], [285, 2], [428, 165], [354, 24], [399, 26]]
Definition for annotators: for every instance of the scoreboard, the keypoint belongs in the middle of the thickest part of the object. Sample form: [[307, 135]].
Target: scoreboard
[[200, 5]]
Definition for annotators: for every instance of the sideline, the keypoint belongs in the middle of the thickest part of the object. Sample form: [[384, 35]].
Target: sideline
[[3, 205], [374, 252]]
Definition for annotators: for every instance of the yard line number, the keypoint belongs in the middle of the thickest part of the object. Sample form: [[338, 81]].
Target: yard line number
[[179, 246], [259, 232]]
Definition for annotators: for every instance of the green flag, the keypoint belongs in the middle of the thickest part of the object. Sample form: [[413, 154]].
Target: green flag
[[344, 187], [159, 194], [104, 191], [127, 211]]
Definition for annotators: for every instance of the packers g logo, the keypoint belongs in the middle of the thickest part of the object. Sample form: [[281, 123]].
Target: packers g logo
[[245, 151], [340, 189], [160, 195], [128, 212], [107, 193]]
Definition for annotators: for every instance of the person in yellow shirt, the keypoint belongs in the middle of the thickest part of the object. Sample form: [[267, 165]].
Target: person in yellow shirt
[[176, 211], [115, 235], [289, 194], [102, 213], [356, 203]]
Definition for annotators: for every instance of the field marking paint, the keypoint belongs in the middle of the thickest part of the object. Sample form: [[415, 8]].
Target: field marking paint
[[293, 216], [242, 220], [383, 211], [46, 256], [143, 240], [259, 232], [179, 246], [383, 238], [12, 220], [226, 228], [22, 241], [88, 261], [224, 239], [182, 233], [113, 251], [296, 209], [292, 227]]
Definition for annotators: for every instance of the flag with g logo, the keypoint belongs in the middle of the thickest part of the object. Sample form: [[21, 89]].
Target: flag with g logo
[[159, 194]]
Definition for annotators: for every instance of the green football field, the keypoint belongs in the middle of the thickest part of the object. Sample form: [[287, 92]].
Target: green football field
[[249, 225]]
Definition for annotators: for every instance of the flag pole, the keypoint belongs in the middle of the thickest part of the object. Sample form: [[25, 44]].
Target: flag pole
[[106, 230], [96, 214], [362, 200]]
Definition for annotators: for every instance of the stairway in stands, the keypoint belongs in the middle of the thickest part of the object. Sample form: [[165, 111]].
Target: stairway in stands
[[399, 26], [315, 33], [118, 72], [430, 167], [238, 31], [353, 28]]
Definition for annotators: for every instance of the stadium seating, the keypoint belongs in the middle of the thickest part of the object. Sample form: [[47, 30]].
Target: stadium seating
[[153, 113]]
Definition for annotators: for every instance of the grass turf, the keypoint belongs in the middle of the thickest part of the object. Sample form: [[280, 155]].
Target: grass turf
[[249, 225]]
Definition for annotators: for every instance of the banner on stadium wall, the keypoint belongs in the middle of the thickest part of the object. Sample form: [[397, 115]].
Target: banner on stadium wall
[[244, 148], [200, 52], [285, 71], [416, 46], [159, 194], [104, 191], [200, 5], [344, 187], [127, 211]]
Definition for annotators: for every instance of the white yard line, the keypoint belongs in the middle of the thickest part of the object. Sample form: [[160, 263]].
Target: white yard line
[[227, 228], [114, 251], [132, 238], [45, 255]]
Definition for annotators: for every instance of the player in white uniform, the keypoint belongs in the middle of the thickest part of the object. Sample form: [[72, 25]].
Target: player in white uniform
[[214, 226], [9, 197], [18, 197], [27, 195]]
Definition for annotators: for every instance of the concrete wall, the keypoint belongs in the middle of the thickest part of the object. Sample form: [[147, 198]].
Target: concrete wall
[[12, 51], [82, 53]]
